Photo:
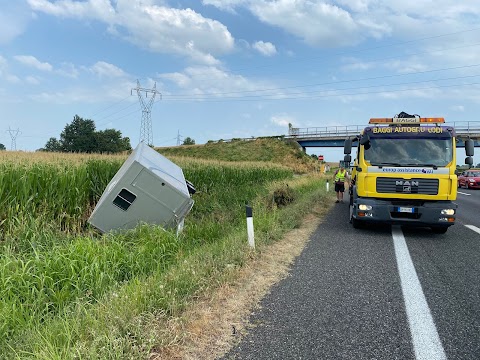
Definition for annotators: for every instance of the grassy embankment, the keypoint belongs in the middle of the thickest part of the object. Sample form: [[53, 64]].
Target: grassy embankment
[[67, 292]]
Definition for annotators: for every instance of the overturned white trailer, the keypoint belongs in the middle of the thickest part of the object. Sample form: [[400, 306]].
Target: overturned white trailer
[[147, 188]]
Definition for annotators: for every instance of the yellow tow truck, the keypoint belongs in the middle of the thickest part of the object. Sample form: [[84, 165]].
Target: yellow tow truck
[[404, 172]]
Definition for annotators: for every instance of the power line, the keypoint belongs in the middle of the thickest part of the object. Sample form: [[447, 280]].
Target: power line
[[345, 64], [369, 48], [371, 78], [190, 97], [109, 106], [195, 96], [281, 97], [116, 112], [363, 87], [332, 56]]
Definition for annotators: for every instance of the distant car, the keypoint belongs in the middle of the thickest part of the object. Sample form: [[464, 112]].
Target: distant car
[[469, 179]]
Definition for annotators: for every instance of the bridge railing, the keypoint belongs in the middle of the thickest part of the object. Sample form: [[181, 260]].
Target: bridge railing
[[327, 131], [461, 127], [466, 127]]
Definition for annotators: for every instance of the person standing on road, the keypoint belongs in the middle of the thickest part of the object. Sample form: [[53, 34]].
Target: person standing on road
[[341, 175]]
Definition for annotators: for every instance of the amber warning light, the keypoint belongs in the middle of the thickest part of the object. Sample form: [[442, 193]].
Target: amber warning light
[[412, 120]]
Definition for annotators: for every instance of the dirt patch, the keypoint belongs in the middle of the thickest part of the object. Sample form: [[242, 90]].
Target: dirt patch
[[211, 326]]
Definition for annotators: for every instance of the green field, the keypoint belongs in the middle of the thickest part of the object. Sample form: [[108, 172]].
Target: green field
[[68, 292]]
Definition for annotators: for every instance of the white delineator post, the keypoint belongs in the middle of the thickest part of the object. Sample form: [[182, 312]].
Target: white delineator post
[[328, 185], [251, 238]]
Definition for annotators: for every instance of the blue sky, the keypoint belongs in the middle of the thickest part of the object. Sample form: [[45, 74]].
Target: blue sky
[[233, 68]]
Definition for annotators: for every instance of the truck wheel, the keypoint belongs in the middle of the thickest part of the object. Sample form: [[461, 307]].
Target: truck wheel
[[439, 229], [357, 224]]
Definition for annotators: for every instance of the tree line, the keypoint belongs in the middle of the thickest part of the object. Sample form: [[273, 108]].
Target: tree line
[[81, 136]]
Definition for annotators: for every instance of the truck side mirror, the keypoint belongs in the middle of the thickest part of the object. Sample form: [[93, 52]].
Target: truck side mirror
[[347, 148], [469, 147], [469, 161], [347, 159], [365, 141]]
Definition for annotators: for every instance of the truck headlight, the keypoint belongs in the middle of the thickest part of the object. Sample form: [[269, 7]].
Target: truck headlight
[[448, 212], [471, 180], [364, 207]]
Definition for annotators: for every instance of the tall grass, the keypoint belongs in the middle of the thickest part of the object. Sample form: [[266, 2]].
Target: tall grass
[[52, 264], [62, 193], [129, 321]]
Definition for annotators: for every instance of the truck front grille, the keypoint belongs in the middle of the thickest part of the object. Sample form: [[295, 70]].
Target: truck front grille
[[407, 186]]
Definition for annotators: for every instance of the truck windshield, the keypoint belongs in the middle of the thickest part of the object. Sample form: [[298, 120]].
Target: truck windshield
[[410, 152]]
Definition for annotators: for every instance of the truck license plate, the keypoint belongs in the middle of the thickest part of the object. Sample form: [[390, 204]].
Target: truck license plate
[[405, 210]]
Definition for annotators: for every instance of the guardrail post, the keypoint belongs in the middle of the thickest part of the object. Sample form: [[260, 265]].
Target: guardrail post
[[250, 233]]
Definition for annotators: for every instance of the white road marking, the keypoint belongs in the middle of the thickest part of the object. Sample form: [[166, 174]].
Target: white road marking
[[425, 339], [459, 192], [474, 228]]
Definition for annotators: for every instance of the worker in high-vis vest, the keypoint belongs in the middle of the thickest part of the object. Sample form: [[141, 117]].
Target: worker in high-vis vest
[[341, 175]]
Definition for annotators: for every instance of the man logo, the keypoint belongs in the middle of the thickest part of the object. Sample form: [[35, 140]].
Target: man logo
[[405, 186]]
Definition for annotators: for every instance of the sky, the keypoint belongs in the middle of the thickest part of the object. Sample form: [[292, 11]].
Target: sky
[[228, 69]]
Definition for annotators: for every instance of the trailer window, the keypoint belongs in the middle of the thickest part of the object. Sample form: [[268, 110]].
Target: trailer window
[[124, 199]]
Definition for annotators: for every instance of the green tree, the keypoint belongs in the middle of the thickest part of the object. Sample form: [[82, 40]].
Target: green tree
[[188, 141], [79, 136], [2, 147], [111, 141], [52, 145]]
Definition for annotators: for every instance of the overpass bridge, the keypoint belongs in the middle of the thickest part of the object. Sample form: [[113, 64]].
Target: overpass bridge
[[334, 136]]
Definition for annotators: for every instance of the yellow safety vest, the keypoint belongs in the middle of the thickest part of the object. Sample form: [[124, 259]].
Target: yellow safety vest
[[340, 176]]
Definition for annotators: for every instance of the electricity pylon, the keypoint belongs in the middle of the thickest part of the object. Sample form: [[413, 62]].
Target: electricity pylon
[[146, 134], [13, 135], [179, 138]]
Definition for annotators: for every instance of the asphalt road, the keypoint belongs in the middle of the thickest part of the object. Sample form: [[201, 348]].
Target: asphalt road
[[377, 293]]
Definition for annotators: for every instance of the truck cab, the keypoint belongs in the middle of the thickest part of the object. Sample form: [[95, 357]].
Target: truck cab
[[404, 173]]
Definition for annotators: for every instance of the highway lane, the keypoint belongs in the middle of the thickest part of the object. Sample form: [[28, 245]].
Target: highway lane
[[361, 294], [469, 206]]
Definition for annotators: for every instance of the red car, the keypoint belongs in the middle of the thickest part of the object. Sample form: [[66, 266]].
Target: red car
[[469, 179]]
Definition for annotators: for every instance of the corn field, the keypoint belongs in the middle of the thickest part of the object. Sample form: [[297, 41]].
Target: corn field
[[51, 260]]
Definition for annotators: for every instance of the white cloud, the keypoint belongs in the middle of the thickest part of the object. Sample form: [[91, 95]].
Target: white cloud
[[206, 82], [411, 65], [334, 23], [228, 5], [356, 5], [14, 17], [32, 61], [104, 69], [13, 79], [32, 80], [5, 73], [3, 64], [460, 108], [157, 28], [317, 23], [282, 120], [353, 64], [68, 70], [265, 48], [98, 9]]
